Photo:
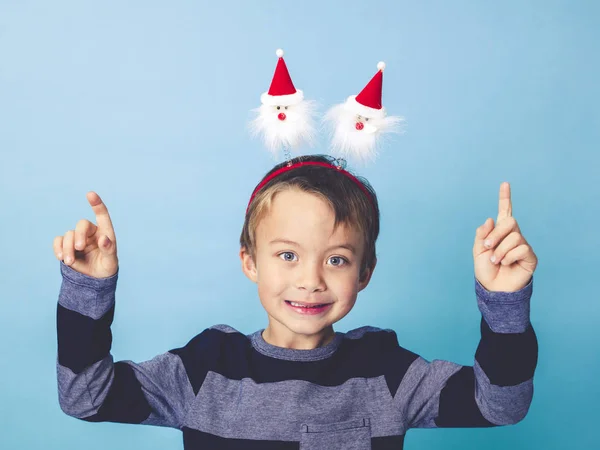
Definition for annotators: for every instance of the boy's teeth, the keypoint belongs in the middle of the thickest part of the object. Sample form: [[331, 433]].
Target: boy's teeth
[[302, 306]]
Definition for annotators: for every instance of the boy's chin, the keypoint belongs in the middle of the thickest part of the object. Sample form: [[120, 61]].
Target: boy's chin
[[307, 329], [302, 328]]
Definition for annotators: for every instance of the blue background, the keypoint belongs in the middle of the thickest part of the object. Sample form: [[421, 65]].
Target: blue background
[[147, 102]]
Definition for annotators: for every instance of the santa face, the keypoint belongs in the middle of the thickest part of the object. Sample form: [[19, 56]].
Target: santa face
[[362, 124], [285, 126], [282, 114], [356, 135]]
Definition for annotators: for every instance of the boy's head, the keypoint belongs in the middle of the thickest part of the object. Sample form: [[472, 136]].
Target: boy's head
[[309, 239]]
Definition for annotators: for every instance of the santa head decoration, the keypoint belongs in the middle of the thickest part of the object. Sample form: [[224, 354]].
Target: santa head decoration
[[358, 123], [285, 119]]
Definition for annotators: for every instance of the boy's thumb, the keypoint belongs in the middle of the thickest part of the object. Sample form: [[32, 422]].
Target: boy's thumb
[[105, 243]]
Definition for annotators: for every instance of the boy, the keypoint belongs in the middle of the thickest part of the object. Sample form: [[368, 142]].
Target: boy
[[308, 242]]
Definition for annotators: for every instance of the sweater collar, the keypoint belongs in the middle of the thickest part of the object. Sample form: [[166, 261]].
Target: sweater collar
[[290, 354]]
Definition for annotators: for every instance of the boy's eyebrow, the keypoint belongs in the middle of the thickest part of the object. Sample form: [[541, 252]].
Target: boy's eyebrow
[[346, 245]]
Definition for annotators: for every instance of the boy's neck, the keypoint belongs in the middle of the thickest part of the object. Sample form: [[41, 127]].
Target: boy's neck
[[281, 336]]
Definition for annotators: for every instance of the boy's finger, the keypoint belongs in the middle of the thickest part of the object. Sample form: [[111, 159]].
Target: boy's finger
[[68, 251], [500, 231], [504, 202], [57, 245], [102, 217], [481, 234], [523, 254], [83, 230], [508, 243]]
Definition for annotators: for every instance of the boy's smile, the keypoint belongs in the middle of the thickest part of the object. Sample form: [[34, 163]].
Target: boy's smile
[[308, 308], [307, 272]]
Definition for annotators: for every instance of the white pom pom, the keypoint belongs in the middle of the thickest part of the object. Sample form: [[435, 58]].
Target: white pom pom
[[380, 65], [279, 53]]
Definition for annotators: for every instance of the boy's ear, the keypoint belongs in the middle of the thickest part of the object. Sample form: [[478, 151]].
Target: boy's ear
[[366, 276], [248, 265]]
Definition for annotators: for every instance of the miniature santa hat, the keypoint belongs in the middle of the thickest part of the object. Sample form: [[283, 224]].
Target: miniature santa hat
[[368, 102], [359, 124], [282, 91]]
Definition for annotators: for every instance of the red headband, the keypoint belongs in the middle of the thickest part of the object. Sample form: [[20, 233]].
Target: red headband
[[307, 163]]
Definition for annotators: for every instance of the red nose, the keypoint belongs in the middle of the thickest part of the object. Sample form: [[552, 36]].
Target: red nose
[[360, 125], [281, 116]]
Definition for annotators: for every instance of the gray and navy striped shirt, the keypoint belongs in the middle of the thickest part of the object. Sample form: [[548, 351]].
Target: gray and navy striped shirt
[[227, 390]]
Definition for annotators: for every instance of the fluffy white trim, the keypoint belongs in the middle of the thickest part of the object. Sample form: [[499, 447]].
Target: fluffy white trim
[[359, 145], [298, 128], [282, 100], [363, 110]]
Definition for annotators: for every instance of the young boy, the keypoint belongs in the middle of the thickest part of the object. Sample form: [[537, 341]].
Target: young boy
[[308, 242]]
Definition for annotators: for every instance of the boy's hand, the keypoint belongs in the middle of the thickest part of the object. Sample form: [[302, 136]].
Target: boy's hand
[[515, 261], [90, 249]]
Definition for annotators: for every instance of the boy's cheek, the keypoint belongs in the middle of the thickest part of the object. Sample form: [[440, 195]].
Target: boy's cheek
[[273, 270]]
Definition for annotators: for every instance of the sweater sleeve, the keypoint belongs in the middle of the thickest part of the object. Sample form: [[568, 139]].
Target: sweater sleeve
[[496, 390], [91, 386]]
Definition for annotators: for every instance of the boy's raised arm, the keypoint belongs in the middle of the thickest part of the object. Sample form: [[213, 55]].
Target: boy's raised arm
[[496, 390], [90, 385]]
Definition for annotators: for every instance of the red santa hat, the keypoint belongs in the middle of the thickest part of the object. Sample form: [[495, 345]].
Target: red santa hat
[[368, 102], [282, 91]]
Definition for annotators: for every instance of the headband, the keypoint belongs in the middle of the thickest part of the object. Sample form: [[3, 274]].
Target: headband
[[285, 121], [289, 167]]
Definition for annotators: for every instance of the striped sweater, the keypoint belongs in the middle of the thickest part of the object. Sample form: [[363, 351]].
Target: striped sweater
[[227, 390]]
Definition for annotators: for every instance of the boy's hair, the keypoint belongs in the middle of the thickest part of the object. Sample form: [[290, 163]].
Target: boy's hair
[[350, 204]]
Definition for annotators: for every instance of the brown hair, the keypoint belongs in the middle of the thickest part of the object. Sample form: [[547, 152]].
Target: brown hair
[[350, 204]]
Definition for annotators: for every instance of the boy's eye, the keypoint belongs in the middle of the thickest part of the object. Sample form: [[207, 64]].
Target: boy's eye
[[287, 256], [338, 261]]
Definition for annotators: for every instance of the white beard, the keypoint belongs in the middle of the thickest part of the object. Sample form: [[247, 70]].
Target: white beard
[[297, 129], [360, 145]]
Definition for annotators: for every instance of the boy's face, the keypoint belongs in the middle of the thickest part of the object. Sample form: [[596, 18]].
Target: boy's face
[[301, 260]]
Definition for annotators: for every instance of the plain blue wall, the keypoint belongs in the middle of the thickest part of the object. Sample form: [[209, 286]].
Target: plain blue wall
[[147, 102]]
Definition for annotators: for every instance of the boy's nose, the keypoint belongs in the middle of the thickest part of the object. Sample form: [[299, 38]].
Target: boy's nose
[[310, 279]]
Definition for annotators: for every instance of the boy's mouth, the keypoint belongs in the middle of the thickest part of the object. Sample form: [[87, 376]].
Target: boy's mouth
[[308, 308]]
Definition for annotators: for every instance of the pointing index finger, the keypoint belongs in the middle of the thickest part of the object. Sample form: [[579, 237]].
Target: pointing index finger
[[102, 217], [504, 202]]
